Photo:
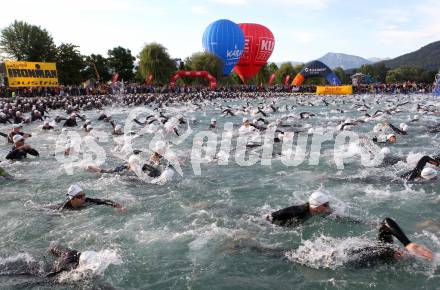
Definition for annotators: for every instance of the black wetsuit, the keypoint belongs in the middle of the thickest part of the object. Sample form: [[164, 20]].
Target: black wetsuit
[[4, 120], [71, 122], [67, 260], [102, 117], [152, 171], [376, 140], [117, 169], [292, 215], [19, 154], [416, 172], [384, 251], [397, 130], [89, 200]]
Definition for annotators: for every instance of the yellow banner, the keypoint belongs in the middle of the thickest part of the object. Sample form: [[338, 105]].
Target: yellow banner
[[31, 74], [334, 90]]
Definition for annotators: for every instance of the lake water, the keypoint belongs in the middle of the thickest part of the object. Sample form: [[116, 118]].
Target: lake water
[[206, 231]]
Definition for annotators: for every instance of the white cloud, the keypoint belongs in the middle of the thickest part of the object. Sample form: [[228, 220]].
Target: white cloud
[[395, 15], [232, 2], [199, 10], [424, 29], [306, 4], [305, 37]]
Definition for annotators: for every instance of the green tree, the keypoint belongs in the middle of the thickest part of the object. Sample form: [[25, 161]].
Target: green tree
[[100, 63], [70, 63], [285, 69], [121, 61], [343, 77], [428, 77], [204, 61], [262, 77], [26, 42], [272, 68], [377, 71], [154, 59], [403, 74]]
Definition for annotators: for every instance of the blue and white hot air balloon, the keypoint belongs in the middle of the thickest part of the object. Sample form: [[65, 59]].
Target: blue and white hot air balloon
[[225, 39]]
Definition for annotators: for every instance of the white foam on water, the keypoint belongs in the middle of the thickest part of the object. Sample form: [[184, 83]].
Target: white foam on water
[[324, 252], [96, 267]]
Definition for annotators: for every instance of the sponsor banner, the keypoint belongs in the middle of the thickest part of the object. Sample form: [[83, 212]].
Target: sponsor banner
[[334, 90], [31, 74]]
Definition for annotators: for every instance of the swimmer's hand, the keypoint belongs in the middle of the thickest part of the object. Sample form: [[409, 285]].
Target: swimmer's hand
[[120, 208], [419, 251]]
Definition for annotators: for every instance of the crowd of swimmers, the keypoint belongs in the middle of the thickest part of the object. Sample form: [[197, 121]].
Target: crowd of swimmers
[[17, 114]]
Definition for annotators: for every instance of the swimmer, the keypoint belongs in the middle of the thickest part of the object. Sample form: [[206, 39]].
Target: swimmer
[[402, 130], [47, 126], [384, 251], [246, 127], [86, 123], [213, 123], [76, 199], [20, 150], [318, 204], [420, 172], [71, 121], [16, 130], [390, 139], [117, 129], [67, 260]]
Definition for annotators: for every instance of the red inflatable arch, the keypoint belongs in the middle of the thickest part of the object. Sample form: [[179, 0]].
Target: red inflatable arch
[[194, 74]]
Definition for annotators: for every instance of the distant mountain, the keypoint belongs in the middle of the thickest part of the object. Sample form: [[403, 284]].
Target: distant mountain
[[343, 60], [427, 57], [377, 59]]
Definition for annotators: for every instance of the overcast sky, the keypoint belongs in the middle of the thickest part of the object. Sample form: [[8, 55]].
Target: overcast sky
[[303, 30]]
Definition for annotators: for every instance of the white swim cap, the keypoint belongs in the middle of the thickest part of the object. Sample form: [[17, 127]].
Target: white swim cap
[[160, 147], [46, 122], [317, 199], [118, 128], [428, 173], [17, 138], [89, 127], [87, 257], [88, 121], [213, 120], [245, 120], [385, 151], [133, 160], [73, 115], [280, 136], [390, 136], [73, 191], [64, 130], [16, 126], [403, 127]]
